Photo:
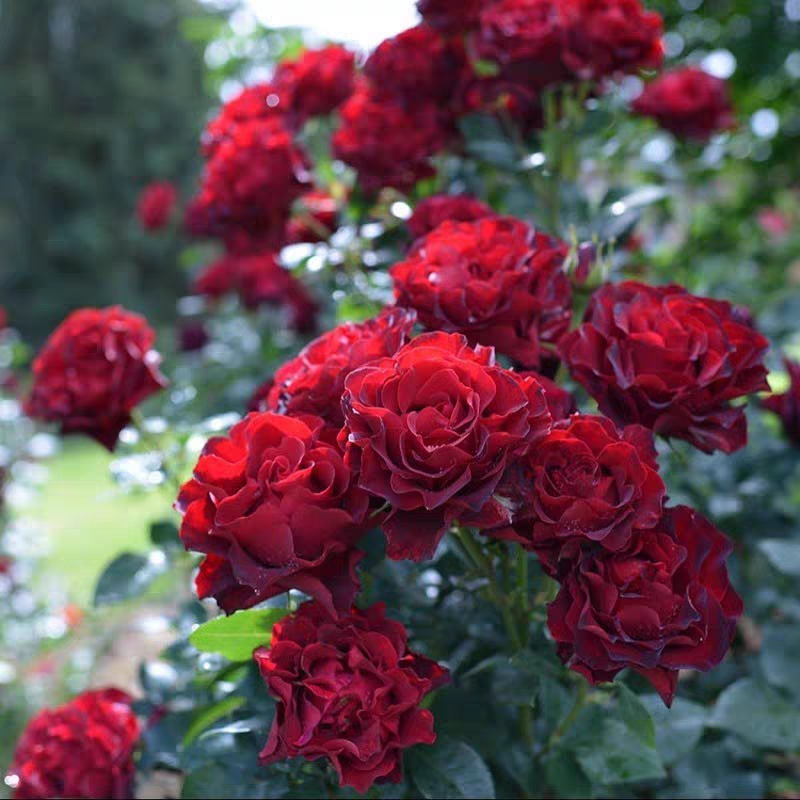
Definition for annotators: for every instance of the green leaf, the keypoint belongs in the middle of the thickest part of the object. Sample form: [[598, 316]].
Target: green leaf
[[206, 717], [636, 715], [783, 555], [678, 729], [608, 751], [450, 770], [565, 776], [236, 637], [127, 576], [758, 715], [780, 655], [164, 534]]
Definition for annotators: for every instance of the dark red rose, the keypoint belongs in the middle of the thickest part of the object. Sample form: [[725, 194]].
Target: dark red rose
[[156, 205], [273, 507], [430, 213], [525, 39], [192, 336], [669, 360], [259, 279], [493, 280], [386, 143], [662, 605], [95, 368], [317, 82], [503, 98], [611, 37], [316, 218], [560, 402], [258, 400], [313, 383], [82, 749], [451, 16], [431, 430], [787, 405], [253, 103], [586, 482], [418, 65], [348, 690], [687, 102], [250, 183]]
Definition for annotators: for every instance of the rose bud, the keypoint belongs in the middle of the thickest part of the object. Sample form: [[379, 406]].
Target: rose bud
[[156, 205], [95, 368], [347, 690]]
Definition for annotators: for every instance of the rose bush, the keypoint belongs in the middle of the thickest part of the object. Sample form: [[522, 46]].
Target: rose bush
[[463, 538]]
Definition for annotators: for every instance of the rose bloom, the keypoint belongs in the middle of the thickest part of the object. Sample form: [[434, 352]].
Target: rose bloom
[[787, 405], [273, 507], [316, 218], [431, 212], [250, 182], [451, 16], [386, 143], [669, 360], [525, 38], [348, 690], [259, 279], [82, 749], [605, 38], [313, 382], [431, 430], [503, 98], [95, 368], [662, 605], [560, 402], [317, 82], [494, 280], [156, 205], [255, 102], [417, 65], [586, 482], [687, 102]]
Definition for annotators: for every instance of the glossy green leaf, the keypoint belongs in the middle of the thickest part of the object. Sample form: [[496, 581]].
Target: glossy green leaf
[[450, 770], [236, 637]]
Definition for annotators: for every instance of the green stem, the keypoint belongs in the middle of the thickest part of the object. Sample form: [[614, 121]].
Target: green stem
[[568, 721]]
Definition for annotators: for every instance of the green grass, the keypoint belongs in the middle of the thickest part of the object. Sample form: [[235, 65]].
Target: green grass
[[88, 519]]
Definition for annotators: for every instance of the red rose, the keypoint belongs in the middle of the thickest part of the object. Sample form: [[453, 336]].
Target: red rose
[[687, 102], [253, 103], [525, 38], [587, 482], [668, 360], [259, 280], [348, 690], [417, 65], [493, 280], [274, 508], [430, 213], [662, 605], [317, 82], [250, 183], [156, 205], [313, 383], [316, 218], [450, 16], [95, 368], [81, 749], [431, 430], [503, 98], [787, 405], [560, 402], [388, 144], [610, 37]]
